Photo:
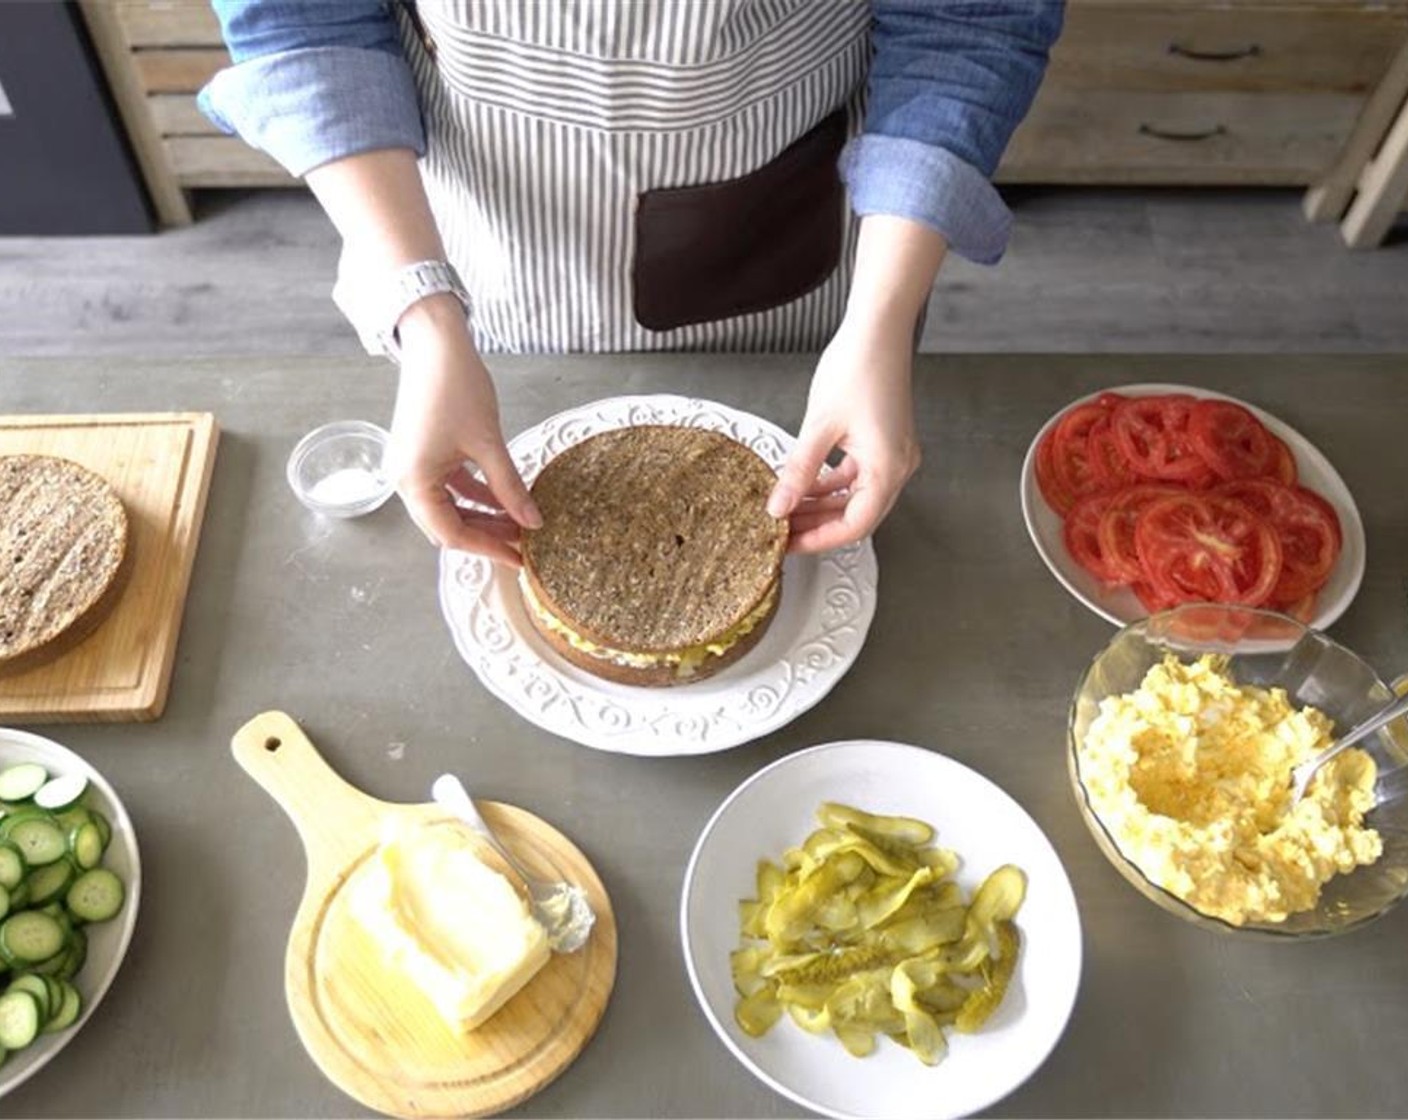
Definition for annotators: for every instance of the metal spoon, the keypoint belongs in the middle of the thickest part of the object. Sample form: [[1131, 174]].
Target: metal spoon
[[562, 908], [1302, 774]]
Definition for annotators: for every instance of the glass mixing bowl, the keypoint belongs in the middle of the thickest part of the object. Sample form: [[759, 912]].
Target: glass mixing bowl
[[1272, 651]]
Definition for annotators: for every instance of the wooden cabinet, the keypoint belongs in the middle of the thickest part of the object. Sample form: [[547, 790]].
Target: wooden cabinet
[[157, 54], [1238, 92], [1252, 92]]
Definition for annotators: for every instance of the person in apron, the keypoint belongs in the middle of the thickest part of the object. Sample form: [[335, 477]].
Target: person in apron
[[615, 175]]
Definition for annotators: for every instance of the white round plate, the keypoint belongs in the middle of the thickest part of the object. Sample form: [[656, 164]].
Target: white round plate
[[107, 941], [774, 810], [820, 625], [1119, 604]]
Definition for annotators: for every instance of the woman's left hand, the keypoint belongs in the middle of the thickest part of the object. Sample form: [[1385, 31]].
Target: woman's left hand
[[861, 404]]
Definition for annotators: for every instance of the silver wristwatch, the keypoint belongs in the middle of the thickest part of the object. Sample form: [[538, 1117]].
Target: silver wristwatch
[[375, 309]]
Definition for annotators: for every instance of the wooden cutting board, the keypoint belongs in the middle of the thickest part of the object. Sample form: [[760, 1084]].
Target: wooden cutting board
[[369, 1029], [160, 464]]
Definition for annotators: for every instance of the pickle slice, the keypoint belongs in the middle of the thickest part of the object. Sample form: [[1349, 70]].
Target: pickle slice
[[906, 830], [979, 1006], [859, 931]]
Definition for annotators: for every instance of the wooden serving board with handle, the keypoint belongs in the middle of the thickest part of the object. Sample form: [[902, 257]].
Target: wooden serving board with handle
[[160, 465], [369, 1029]]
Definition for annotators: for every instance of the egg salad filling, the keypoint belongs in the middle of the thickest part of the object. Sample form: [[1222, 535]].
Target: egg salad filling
[[686, 661], [1191, 776]]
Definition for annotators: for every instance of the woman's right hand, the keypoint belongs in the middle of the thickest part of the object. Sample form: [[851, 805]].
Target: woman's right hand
[[446, 424]]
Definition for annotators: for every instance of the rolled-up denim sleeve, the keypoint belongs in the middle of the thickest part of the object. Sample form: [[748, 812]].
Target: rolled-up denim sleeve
[[313, 81], [949, 84]]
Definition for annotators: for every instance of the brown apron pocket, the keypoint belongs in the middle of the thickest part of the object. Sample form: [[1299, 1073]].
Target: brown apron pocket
[[748, 244]]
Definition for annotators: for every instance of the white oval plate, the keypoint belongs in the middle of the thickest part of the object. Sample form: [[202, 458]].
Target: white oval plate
[[774, 810], [107, 941], [820, 626], [1119, 605]]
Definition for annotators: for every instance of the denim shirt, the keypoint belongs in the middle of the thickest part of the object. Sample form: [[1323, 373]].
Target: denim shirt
[[950, 80]]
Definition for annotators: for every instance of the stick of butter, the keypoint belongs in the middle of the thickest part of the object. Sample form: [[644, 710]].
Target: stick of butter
[[455, 926]]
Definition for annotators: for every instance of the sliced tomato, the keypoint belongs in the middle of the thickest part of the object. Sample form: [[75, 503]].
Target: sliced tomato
[[1260, 494], [1070, 452], [1206, 547], [1152, 432], [1152, 600], [1306, 526], [1081, 533], [1116, 529], [1231, 440], [1057, 496], [1285, 468], [1301, 609], [1107, 461]]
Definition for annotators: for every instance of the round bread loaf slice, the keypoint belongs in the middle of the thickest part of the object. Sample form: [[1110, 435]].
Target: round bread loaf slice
[[63, 547], [657, 562]]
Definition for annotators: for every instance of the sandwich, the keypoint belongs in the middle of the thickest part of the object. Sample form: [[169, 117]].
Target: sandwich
[[63, 551], [657, 562]]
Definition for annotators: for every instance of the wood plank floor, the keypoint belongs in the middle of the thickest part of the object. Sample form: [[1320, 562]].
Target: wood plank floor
[[1088, 271]]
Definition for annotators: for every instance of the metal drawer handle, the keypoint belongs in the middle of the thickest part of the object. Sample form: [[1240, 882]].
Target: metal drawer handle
[[1231, 55], [1161, 134]]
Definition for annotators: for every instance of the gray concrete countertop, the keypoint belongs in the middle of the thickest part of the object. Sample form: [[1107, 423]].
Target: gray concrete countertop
[[974, 652]]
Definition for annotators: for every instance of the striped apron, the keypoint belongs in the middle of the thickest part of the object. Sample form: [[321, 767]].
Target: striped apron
[[583, 156]]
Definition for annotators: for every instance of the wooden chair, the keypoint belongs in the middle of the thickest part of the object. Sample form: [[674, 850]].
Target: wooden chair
[[1373, 169]]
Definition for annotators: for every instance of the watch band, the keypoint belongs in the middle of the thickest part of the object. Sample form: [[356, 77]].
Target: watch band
[[374, 304], [407, 287]]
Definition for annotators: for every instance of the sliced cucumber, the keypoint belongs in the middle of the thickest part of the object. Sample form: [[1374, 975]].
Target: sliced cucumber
[[77, 954], [30, 936], [11, 865], [95, 896], [86, 844], [39, 840], [19, 895], [55, 987], [38, 987], [19, 1019], [60, 793], [4, 900], [102, 825], [17, 783], [50, 882], [52, 966], [72, 817], [69, 1009], [24, 813]]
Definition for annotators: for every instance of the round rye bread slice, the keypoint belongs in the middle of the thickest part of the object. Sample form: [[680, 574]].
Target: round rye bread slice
[[63, 543], [655, 541]]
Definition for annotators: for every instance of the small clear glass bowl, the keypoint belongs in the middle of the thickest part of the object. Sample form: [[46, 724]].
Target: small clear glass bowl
[[337, 470], [1272, 651]]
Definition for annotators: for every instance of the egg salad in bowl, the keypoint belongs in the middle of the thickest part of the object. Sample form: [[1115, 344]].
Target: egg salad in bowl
[[1184, 733]]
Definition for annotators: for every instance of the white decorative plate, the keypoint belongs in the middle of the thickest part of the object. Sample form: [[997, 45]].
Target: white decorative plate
[[107, 941], [1119, 605], [774, 810], [821, 622]]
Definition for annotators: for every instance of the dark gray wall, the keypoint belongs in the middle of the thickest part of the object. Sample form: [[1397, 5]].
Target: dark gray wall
[[64, 163]]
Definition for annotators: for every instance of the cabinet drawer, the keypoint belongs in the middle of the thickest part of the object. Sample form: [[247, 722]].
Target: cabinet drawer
[[178, 71], [1342, 46], [167, 23], [1075, 135], [222, 161], [176, 114]]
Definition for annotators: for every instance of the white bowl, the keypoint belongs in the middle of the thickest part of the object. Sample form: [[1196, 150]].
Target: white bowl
[[107, 941], [1119, 604], [774, 810]]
